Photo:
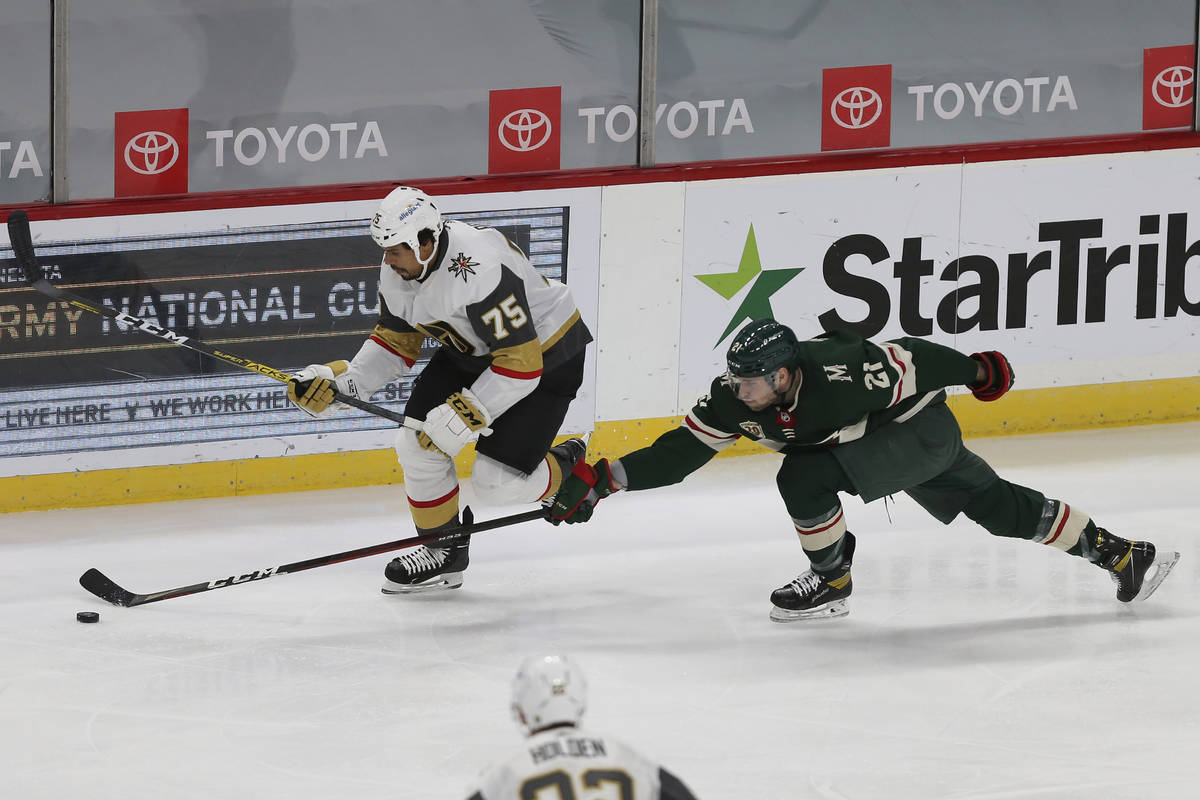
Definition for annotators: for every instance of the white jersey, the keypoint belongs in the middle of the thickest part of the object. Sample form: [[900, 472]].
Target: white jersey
[[569, 762], [489, 307]]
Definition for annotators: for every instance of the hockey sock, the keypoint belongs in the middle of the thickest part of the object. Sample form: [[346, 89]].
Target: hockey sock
[[823, 539]]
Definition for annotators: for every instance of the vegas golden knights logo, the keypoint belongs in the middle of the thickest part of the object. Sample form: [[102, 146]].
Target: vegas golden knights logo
[[444, 332]]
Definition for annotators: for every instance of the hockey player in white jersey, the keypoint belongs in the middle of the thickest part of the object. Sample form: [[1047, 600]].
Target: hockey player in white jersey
[[561, 759], [510, 362]]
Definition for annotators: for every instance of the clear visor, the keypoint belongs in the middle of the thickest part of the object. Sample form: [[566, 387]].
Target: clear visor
[[755, 384]]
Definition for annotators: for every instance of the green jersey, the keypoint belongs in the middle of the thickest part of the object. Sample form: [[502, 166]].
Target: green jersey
[[850, 387]]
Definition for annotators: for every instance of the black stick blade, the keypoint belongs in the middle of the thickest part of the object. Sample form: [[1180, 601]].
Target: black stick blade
[[22, 244], [100, 585]]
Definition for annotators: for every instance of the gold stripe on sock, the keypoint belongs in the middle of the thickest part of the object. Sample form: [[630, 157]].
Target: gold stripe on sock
[[428, 516], [556, 477]]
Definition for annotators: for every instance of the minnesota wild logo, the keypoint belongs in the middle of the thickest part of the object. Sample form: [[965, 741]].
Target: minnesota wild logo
[[461, 265], [766, 282], [753, 429]]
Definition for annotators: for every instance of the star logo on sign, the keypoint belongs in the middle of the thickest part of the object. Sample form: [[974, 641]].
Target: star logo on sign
[[461, 265], [763, 283]]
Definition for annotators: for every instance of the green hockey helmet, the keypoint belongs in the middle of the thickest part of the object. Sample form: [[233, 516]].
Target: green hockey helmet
[[760, 348]]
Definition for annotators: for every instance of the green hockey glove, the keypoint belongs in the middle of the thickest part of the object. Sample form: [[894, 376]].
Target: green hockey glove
[[587, 485], [997, 376]]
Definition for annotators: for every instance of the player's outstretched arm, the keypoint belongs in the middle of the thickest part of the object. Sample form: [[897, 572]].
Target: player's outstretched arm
[[672, 457], [994, 376], [587, 485]]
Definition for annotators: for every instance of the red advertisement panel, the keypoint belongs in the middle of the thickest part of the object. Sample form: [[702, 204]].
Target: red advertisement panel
[[856, 107], [151, 152], [1168, 86], [523, 129]]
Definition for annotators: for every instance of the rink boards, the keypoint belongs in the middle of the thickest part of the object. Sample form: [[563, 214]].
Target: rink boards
[[1082, 270]]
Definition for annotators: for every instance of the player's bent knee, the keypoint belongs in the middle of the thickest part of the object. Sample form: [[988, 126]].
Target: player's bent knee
[[493, 482], [409, 450]]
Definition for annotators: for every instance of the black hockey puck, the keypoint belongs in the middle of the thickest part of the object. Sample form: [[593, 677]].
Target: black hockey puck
[[88, 616]]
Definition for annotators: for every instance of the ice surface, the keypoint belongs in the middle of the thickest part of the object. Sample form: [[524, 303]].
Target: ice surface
[[969, 667]]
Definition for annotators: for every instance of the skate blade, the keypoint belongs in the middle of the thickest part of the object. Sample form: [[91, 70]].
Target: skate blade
[[1163, 564], [828, 611], [451, 580]]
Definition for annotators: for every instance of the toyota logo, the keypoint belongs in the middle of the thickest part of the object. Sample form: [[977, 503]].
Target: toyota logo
[[1172, 87], [151, 152], [856, 107], [518, 130]]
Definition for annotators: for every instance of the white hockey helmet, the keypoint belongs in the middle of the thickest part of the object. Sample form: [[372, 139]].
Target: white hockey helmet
[[401, 217], [548, 690]]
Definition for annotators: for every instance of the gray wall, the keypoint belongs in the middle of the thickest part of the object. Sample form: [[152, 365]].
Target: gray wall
[[378, 89], [24, 102], [772, 53]]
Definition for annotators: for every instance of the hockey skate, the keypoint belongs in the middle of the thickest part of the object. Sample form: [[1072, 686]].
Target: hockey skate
[[428, 569], [1136, 567], [568, 453], [816, 595]]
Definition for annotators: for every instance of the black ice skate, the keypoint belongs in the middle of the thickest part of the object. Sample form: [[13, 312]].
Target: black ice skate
[[568, 453], [816, 595], [1136, 567], [427, 569]]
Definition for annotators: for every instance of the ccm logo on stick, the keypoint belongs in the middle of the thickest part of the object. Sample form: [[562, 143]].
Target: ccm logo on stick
[[150, 328], [236, 579]]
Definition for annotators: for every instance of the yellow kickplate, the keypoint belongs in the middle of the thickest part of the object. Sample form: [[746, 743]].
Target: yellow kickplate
[[1029, 411]]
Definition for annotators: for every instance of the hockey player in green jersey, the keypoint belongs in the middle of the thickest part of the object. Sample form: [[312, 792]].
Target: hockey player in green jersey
[[853, 416]]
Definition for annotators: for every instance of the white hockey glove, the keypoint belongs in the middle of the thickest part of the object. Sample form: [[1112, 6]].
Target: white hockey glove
[[459, 420], [312, 388]]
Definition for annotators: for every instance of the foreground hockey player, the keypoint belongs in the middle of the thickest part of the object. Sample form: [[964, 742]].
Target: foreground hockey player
[[868, 419], [510, 362], [548, 699]]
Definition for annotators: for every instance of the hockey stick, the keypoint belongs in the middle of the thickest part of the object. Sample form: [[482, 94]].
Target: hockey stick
[[103, 587], [22, 245]]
